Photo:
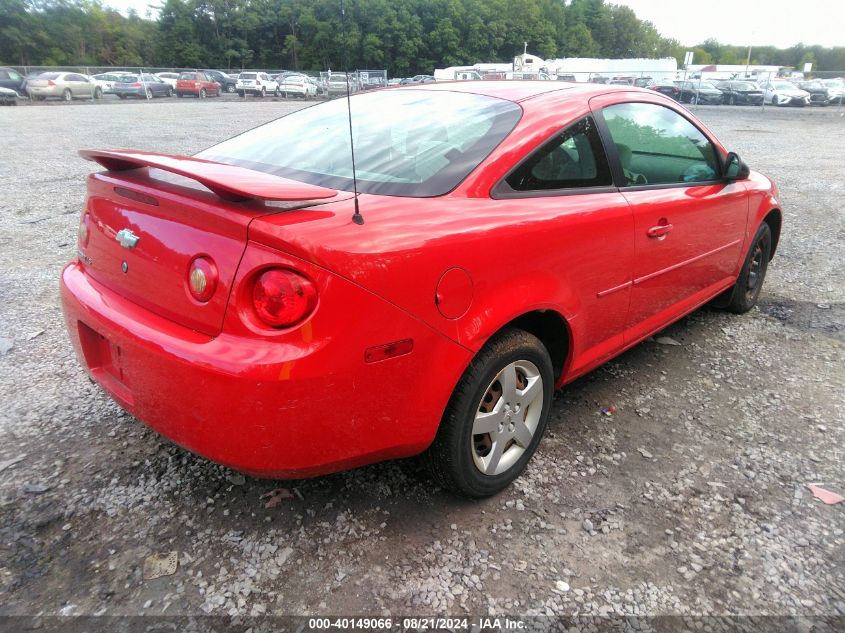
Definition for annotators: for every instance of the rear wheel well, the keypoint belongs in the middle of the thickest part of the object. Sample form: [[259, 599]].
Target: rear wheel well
[[552, 330], [774, 220]]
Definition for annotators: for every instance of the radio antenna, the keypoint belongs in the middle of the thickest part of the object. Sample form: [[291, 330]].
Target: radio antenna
[[357, 218]]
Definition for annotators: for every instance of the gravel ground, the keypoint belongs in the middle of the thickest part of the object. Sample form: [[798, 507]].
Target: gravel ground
[[690, 500]]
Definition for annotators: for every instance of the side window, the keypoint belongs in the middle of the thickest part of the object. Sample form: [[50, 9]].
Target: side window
[[573, 158], [657, 145]]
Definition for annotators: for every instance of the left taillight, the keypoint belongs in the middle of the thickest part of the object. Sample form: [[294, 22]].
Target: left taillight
[[84, 230], [202, 278], [282, 298]]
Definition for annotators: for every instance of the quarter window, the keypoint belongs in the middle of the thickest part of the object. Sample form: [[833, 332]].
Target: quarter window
[[573, 158], [657, 145]]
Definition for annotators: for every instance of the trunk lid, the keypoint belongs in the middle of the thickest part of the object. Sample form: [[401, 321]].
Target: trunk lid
[[174, 221]]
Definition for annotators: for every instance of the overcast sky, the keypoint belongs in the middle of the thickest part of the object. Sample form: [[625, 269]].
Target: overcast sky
[[756, 22]]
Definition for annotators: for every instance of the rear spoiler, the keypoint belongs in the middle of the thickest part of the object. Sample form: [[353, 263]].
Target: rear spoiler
[[227, 181]]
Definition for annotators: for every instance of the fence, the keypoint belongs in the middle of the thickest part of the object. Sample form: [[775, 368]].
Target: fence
[[823, 88]]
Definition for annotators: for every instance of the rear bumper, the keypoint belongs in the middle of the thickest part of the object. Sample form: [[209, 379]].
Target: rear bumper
[[129, 92], [49, 91], [285, 407]]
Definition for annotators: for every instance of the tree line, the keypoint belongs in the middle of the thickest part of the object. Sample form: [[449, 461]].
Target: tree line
[[403, 36]]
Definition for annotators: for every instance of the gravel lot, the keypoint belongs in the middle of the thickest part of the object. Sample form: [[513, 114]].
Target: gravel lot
[[689, 500]]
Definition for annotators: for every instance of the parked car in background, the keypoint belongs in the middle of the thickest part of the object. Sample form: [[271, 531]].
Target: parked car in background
[[567, 77], [106, 81], [65, 86], [299, 86], [12, 79], [819, 93], [417, 79], [784, 93], [280, 77], [226, 83], [8, 96], [740, 93], [667, 88], [197, 84], [698, 92], [288, 343], [29, 77], [256, 83], [142, 86], [835, 89], [169, 79], [338, 82]]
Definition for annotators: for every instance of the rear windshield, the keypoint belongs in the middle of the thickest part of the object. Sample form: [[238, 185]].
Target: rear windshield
[[188, 76], [49, 75], [128, 79], [247, 76], [744, 85], [407, 142]]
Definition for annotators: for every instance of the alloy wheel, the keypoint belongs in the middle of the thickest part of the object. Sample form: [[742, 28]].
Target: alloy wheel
[[507, 417]]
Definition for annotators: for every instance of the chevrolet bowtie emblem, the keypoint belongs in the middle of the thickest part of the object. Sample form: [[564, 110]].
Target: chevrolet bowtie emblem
[[127, 238]]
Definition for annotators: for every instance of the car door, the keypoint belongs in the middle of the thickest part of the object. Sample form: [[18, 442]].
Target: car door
[[689, 223], [80, 85], [586, 234]]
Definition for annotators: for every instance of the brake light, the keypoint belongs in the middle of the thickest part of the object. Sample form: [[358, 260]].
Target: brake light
[[202, 278], [50, 82], [135, 85], [282, 298]]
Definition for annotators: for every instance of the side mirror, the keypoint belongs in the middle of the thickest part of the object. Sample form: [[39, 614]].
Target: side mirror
[[735, 168]]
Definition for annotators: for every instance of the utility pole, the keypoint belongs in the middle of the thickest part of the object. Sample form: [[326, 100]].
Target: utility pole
[[747, 62]]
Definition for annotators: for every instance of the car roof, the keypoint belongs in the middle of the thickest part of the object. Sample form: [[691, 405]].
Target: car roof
[[517, 91]]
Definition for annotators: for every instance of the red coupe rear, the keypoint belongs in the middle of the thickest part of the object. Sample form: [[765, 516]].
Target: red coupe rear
[[515, 235]]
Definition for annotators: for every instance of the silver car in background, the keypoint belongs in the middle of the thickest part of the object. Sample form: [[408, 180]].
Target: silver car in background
[[65, 86]]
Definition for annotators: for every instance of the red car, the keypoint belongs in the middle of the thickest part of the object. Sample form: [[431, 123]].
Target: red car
[[198, 84], [508, 237]]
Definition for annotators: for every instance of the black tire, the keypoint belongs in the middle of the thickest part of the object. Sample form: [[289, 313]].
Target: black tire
[[168, 93], [263, 93], [98, 93], [230, 88], [451, 459], [179, 95], [121, 96], [148, 94], [67, 95], [744, 294], [731, 100], [202, 94], [240, 93]]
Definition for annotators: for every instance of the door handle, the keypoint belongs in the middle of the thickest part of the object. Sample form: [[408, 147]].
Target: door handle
[[660, 230]]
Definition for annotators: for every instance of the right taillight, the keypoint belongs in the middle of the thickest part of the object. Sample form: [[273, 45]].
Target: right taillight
[[282, 298]]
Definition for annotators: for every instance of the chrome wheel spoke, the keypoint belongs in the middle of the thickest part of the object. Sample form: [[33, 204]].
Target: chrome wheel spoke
[[491, 462], [507, 378], [522, 434], [532, 390], [489, 422]]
